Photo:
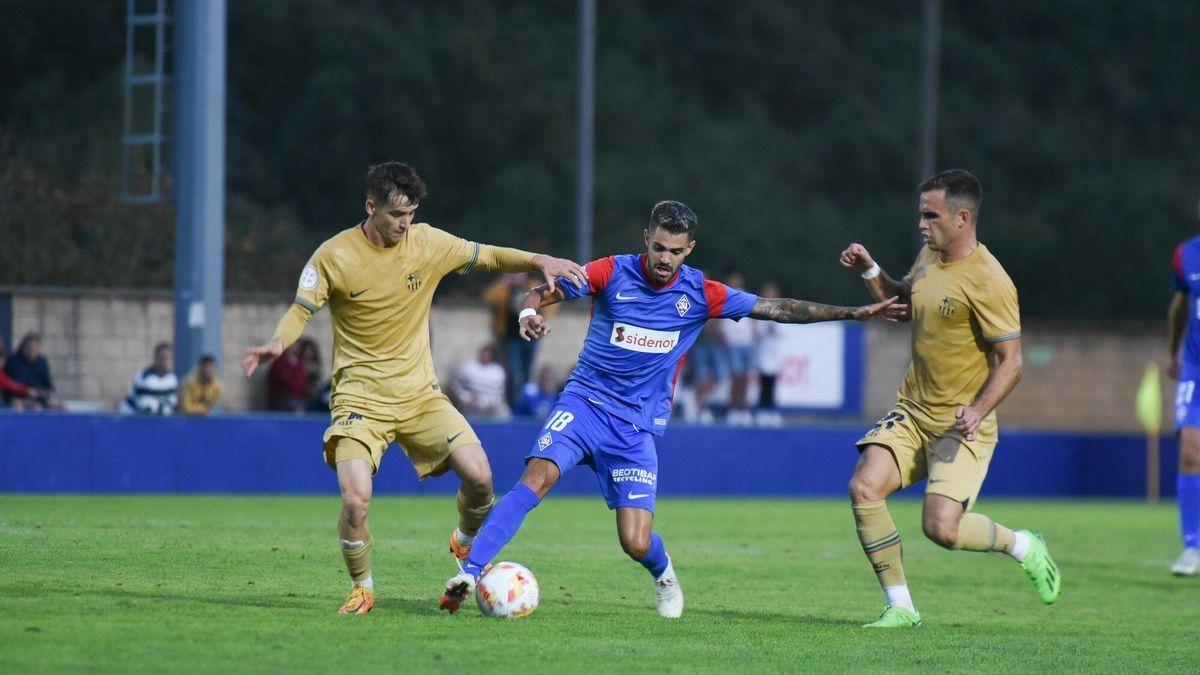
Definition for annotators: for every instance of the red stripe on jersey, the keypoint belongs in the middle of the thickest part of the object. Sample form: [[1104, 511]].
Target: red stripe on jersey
[[1177, 262], [599, 273], [715, 293]]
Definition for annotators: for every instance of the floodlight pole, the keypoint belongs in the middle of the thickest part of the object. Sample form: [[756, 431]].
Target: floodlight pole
[[199, 186], [587, 128]]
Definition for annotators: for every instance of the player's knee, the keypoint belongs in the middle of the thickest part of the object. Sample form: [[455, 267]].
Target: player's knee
[[862, 489], [635, 547], [479, 484], [942, 532], [355, 506]]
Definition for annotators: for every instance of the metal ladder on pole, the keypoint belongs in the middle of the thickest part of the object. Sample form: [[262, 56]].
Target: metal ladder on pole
[[143, 140]]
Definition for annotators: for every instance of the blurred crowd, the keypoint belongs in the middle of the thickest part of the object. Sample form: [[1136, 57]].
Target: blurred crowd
[[729, 374]]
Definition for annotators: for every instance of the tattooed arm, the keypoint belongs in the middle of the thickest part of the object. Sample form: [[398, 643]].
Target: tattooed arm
[[787, 310]]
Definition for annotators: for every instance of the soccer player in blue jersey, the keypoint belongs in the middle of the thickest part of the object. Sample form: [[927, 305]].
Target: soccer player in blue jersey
[[647, 311], [1185, 366]]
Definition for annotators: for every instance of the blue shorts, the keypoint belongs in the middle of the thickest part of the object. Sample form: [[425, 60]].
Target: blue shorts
[[1187, 403], [622, 455], [708, 362]]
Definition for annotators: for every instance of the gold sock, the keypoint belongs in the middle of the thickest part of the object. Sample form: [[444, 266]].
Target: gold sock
[[880, 541], [977, 532], [470, 518], [358, 558]]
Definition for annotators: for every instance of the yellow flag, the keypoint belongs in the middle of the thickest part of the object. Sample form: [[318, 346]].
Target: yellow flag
[[1149, 401]]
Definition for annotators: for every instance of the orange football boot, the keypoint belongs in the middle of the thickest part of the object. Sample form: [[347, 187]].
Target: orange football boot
[[361, 601]]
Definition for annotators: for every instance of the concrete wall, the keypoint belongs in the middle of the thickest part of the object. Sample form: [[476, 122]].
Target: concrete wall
[[1076, 378]]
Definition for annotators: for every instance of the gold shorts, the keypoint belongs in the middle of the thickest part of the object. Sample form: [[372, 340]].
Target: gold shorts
[[955, 467], [428, 431]]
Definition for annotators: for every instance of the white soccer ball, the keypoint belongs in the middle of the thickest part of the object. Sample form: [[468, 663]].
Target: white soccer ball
[[508, 591]]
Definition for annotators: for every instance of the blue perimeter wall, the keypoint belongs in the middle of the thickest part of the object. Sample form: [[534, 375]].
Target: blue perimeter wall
[[278, 454]]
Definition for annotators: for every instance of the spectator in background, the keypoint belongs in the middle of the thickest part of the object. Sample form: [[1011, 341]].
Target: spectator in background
[[310, 354], [31, 369], [708, 368], [15, 395], [201, 390], [287, 382], [769, 352], [154, 390], [504, 298], [478, 388], [538, 396], [738, 338]]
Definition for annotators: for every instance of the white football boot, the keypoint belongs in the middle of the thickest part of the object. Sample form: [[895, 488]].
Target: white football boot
[[667, 593], [1188, 564]]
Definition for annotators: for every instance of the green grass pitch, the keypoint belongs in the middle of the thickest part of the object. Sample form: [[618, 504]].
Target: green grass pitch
[[241, 584]]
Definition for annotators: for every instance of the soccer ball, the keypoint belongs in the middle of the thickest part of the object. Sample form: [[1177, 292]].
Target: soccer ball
[[508, 591]]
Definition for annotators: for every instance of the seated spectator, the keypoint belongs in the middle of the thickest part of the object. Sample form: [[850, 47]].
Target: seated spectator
[[478, 388], [310, 354], [201, 390], [538, 395], [30, 368], [155, 389], [15, 395], [287, 382]]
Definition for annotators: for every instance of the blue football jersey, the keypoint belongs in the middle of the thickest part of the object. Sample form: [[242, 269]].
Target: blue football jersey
[[1187, 280], [640, 332]]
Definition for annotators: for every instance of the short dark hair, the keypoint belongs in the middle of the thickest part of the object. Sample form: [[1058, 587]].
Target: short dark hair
[[207, 358], [388, 178], [674, 217], [962, 189], [161, 346]]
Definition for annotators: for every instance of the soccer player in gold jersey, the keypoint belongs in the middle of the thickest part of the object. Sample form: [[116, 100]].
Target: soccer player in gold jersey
[[966, 357], [378, 279]]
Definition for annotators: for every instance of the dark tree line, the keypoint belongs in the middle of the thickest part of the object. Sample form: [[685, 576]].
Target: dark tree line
[[789, 127]]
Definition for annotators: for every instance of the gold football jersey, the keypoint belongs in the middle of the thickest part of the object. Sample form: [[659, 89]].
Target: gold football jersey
[[379, 301], [959, 310]]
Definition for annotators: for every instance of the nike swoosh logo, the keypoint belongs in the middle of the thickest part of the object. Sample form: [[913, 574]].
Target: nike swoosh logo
[[631, 495], [355, 295], [450, 439], [626, 297]]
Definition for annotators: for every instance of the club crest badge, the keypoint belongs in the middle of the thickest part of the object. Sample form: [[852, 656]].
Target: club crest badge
[[545, 441], [413, 281], [683, 305], [948, 306]]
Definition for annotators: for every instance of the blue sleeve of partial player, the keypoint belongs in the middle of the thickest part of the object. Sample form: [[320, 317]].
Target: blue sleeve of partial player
[[1177, 275]]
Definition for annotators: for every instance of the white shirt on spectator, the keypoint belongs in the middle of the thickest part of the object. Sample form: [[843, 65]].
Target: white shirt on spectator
[[152, 394], [479, 388]]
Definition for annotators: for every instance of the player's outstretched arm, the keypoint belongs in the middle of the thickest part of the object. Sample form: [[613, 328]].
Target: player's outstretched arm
[[552, 268], [261, 354], [879, 284], [1000, 382], [1177, 317], [787, 310], [534, 325]]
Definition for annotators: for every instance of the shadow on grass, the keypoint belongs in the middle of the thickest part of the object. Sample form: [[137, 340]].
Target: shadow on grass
[[328, 604]]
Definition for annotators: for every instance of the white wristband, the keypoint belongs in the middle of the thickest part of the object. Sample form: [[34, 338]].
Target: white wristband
[[528, 311], [873, 272]]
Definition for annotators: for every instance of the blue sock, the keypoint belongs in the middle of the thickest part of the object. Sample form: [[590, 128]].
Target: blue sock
[[1188, 487], [655, 561], [501, 526]]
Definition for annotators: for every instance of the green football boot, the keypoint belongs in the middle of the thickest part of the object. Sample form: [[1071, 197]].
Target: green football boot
[[1041, 568], [895, 616]]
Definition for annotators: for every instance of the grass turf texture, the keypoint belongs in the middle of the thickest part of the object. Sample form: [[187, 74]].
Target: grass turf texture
[[237, 584]]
